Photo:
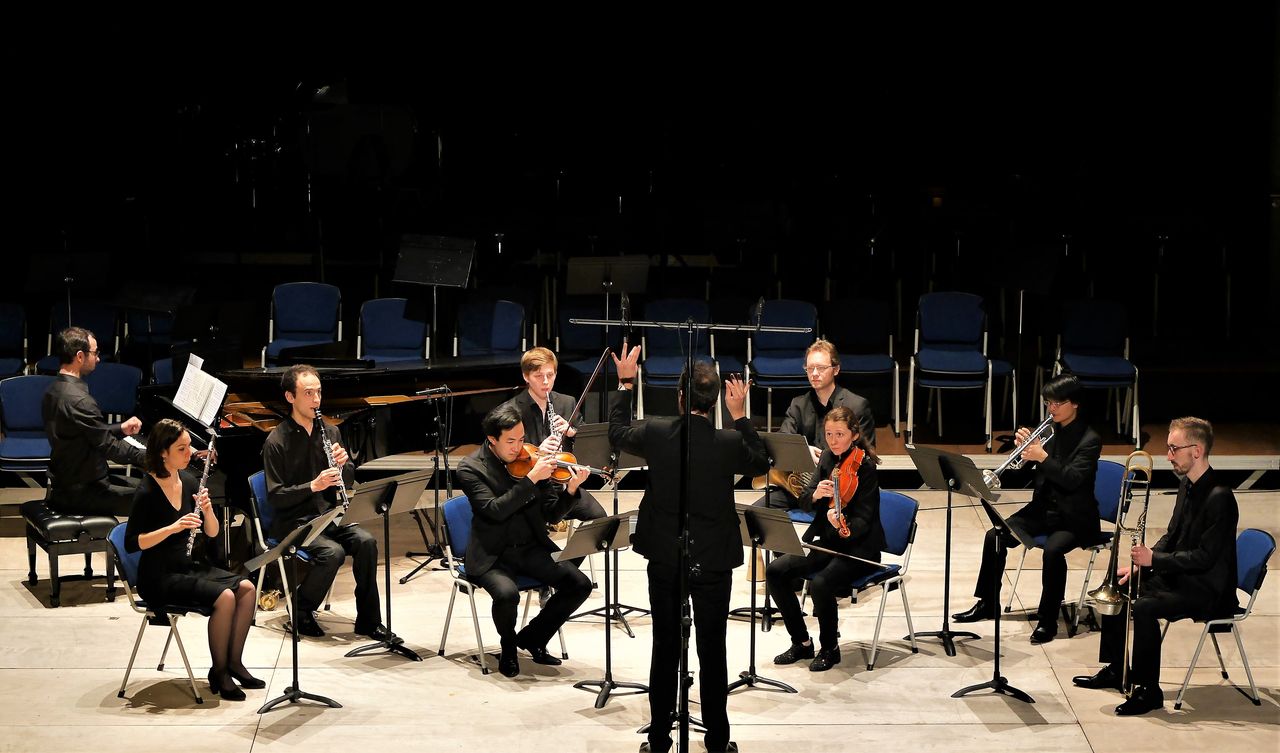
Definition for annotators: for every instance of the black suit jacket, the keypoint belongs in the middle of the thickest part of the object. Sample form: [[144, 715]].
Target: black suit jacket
[[495, 498], [862, 513], [535, 419], [714, 541], [1198, 554], [1064, 481], [802, 416]]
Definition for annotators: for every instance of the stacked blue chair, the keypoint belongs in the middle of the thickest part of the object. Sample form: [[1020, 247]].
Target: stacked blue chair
[[99, 318], [664, 350], [386, 335], [776, 359], [489, 328], [860, 330], [950, 353], [13, 339], [1094, 346], [24, 448], [302, 313]]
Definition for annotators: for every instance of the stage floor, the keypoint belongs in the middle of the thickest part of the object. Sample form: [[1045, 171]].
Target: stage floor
[[60, 670]]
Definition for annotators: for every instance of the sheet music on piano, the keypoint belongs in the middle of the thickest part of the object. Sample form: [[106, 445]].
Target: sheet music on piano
[[200, 395]]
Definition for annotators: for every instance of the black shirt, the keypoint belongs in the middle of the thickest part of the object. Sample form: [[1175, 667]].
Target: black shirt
[[292, 458], [81, 442]]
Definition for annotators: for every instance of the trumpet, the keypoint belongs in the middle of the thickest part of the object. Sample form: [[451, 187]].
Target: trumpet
[[1043, 432]]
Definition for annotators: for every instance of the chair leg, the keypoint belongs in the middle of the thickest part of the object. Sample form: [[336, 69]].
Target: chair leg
[[1218, 650], [137, 642], [88, 564], [564, 652], [768, 409], [173, 631], [165, 651], [911, 631], [1235, 630], [31, 559], [897, 412], [524, 617], [475, 622], [1137, 425], [911, 400], [447, 616], [875, 637], [1084, 590], [262, 572], [1017, 575], [1177, 704]]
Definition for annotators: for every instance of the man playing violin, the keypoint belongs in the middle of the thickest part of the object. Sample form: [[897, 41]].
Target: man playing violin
[[509, 535], [853, 530], [806, 412], [550, 429]]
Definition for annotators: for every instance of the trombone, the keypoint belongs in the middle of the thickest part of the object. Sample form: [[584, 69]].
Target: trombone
[[1110, 598]]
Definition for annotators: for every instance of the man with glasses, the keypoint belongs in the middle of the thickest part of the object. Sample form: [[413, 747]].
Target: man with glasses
[[1189, 572], [807, 413], [1062, 508], [81, 443]]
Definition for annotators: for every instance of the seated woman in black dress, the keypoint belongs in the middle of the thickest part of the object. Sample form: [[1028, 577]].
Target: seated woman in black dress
[[830, 574], [166, 509]]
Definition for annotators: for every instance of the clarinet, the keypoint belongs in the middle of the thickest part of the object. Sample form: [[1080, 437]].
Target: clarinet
[[204, 484], [328, 454]]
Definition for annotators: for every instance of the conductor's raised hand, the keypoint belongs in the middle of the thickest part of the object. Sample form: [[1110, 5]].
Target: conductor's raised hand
[[627, 365], [735, 396]]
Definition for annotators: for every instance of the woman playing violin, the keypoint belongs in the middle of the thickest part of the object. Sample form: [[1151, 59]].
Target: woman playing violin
[[849, 525]]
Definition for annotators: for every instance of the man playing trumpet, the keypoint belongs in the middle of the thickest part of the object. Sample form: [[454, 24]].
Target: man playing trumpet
[[1189, 572]]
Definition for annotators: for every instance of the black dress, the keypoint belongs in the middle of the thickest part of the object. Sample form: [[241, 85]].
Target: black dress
[[166, 574]]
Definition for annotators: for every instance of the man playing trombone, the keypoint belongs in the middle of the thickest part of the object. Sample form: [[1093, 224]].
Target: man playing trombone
[[1062, 507], [1189, 572]]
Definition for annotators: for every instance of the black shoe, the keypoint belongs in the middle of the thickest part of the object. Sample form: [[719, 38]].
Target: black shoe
[[1107, 678], [645, 747], [379, 632], [508, 664], [1143, 699], [826, 659], [979, 611], [542, 656], [247, 680], [307, 626], [218, 683], [794, 654], [1043, 634]]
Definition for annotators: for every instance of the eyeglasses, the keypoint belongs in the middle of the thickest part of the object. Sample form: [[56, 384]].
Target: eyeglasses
[[1175, 447], [819, 369], [94, 353], [1051, 404]]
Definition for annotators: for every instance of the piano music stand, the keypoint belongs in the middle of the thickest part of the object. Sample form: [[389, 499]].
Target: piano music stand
[[436, 261], [288, 548], [773, 530], [384, 498]]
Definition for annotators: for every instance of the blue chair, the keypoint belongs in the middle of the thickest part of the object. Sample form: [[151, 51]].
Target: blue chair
[[457, 529], [302, 313], [898, 518], [25, 447], [1254, 548], [387, 336], [99, 318], [664, 350], [578, 346], [154, 614], [149, 328], [1094, 346], [859, 328], [776, 359], [1107, 484], [489, 328], [950, 353], [115, 387], [13, 339], [263, 516], [162, 371]]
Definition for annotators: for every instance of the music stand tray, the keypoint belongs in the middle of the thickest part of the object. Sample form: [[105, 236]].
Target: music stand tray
[[591, 446], [790, 453], [587, 275]]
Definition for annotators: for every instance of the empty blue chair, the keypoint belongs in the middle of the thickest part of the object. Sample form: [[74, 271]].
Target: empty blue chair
[[776, 359], [155, 614], [162, 371], [457, 528], [302, 313], [859, 328], [387, 336], [13, 339], [1094, 346], [950, 353], [489, 328], [24, 448], [115, 387]]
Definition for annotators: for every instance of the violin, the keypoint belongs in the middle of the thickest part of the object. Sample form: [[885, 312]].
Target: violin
[[566, 465], [843, 495]]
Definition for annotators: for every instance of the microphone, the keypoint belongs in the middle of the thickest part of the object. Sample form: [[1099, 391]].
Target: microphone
[[626, 310], [434, 391], [759, 313]]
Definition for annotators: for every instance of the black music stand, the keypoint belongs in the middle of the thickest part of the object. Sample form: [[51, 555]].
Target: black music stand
[[436, 261], [773, 530], [788, 453], [434, 551], [288, 548], [602, 535], [937, 468], [591, 446], [384, 498], [997, 683]]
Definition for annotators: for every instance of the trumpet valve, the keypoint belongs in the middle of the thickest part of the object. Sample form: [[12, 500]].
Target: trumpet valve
[[991, 479]]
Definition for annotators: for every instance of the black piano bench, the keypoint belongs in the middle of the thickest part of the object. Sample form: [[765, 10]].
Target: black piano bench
[[60, 534]]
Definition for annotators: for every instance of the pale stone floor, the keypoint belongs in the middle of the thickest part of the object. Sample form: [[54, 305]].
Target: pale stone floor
[[60, 670]]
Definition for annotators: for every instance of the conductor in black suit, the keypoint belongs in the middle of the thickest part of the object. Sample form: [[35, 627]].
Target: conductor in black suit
[[715, 547], [509, 537], [1189, 572], [1062, 507]]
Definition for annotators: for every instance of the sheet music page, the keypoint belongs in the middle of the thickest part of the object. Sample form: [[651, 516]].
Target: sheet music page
[[200, 395], [195, 361]]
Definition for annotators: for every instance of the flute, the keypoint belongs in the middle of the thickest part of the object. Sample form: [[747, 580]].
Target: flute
[[204, 484]]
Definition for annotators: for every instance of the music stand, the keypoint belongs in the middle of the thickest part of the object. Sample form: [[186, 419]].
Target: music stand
[[589, 275], [592, 447], [997, 683], [384, 498], [937, 468], [288, 548], [444, 428], [602, 535], [788, 453], [436, 261], [772, 529]]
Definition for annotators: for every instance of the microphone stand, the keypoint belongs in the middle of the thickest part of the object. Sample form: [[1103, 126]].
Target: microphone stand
[[434, 551]]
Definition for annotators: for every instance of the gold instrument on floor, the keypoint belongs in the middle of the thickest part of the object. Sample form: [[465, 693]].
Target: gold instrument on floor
[[268, 600], [1109, 598], [1043, 432]]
